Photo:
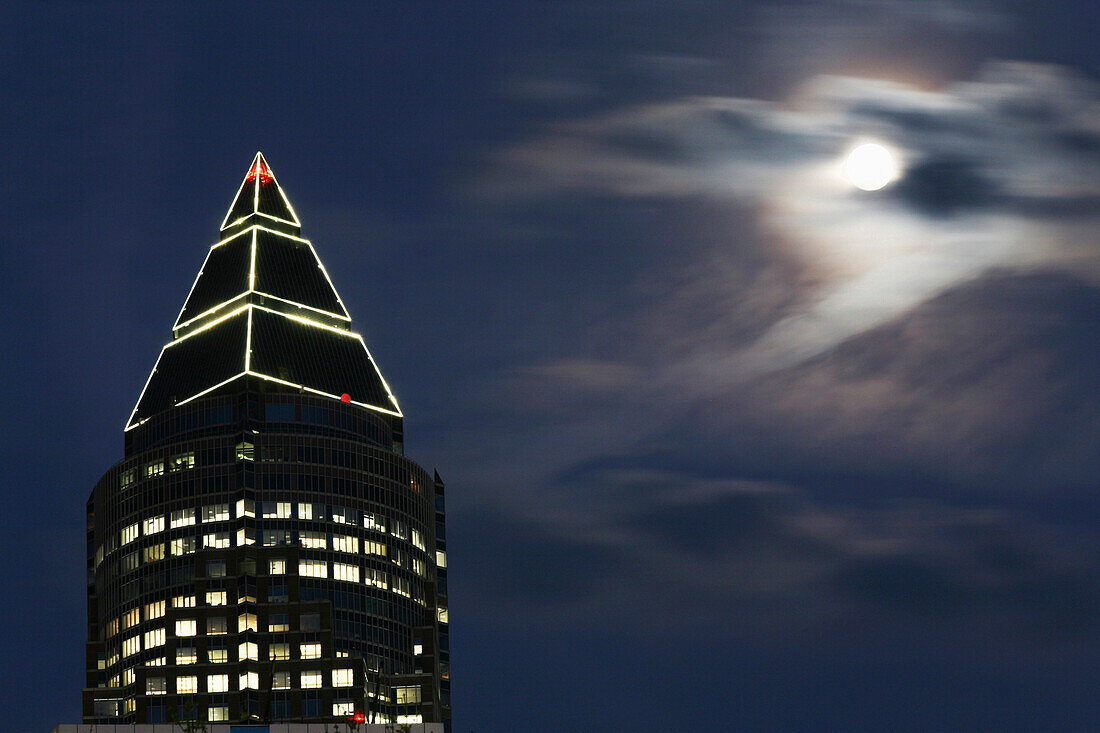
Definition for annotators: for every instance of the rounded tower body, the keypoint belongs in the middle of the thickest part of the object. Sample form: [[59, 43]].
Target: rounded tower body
[[265, 551]]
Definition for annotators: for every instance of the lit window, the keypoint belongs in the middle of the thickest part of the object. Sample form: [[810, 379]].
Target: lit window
[[313, 568], [316, 540], [280, 681], [374, 577], [399, 530], [112, 627], [155, 468], [127, 478], [418, 567], [182, 518], [441, 558], [130, 562], [183, 602], [131, 618], [311, 679], [182, 545], [342, 678], [156, 686], [247, 622], [215, 513], [187, 685], [343, 707], [406, 695], [311, 651], [154, 610], [410, 719], [156, 662], [248, 650], [273, 537], [154, 552], [128, 676], [217, 655], [106, 708], [131, 646], [305, 511], [417, 540], [216, 625], [153, 525], [276, 510], [215, 598], [186, 627], [278, 651], [250, 680], [374, 521], [217, 540], [276, 566], [442, 616], [278, 622], [154, 638], [131, 533], [181, 461], [341, 571], [217, 683], [374, 548], [218, 712], [246, 508], [418, 647], [245, 451], [186, 655], [343, 543], [400, 586]]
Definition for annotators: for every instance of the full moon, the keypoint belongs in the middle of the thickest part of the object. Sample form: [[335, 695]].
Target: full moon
[[869, 167]]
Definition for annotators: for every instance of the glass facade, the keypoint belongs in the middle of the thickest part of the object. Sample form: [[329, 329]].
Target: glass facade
[[265, 551]]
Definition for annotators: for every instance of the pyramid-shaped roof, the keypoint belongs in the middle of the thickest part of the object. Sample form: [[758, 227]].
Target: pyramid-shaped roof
[[260, 195], [263, 306]]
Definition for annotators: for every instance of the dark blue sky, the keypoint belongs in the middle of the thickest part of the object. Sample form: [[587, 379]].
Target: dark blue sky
[[728, 443]]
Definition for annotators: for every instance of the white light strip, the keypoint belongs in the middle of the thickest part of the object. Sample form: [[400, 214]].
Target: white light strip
[[248, 343], [255, 229], [213, 323], [252, 265], [329, 279], [216, 308], [301, 305], [349, 334], [130, 422], [256, 188], [307, 321], [283, 195], [210, 389], [325, 394], [225, 221]]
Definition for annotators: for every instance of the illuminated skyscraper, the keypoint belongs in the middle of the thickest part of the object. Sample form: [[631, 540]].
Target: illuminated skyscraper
[[265, 551]]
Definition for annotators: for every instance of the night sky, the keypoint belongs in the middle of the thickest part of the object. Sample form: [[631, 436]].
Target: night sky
[[729, 443]]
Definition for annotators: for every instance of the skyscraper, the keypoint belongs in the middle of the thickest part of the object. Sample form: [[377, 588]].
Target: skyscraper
[[265, 551]]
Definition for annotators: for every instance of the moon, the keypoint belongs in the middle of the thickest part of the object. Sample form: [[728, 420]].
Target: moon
[[869, 167]]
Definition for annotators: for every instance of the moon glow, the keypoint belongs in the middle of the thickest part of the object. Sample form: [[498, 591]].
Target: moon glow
[[869, 167]]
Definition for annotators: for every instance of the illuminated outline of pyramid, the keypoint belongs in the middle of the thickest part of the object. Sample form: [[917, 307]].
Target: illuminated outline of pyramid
[[263, 306]]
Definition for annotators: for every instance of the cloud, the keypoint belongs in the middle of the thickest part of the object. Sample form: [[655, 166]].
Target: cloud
[[1003, 171]]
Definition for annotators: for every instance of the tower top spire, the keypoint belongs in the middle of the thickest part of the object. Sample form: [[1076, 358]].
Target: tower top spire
[[261, 198], [263, 308]]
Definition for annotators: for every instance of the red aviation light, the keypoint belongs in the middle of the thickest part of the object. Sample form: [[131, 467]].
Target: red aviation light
[[345, 397], [359, 718], [260, 167]]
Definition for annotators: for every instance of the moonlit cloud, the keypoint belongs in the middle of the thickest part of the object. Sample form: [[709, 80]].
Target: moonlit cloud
[[1002, 171]]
